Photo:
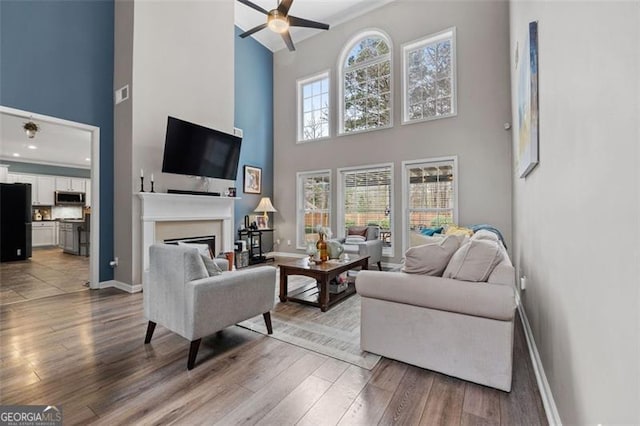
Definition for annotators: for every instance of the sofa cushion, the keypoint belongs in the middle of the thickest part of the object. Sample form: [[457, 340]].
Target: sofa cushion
[[493, 301], [484, 234], [212, 267], [358, 230], [430, 259], [474, 261]]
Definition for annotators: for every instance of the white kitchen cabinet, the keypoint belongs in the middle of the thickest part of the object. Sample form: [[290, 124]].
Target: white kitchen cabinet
[[31, 179], [70, 184], [45, 187], [43, 234], [68, 235]]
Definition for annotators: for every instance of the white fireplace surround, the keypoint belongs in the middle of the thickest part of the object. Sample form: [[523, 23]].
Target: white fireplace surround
[[162, 207]]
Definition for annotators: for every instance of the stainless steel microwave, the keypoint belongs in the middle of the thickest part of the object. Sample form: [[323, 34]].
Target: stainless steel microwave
[[66, 198]]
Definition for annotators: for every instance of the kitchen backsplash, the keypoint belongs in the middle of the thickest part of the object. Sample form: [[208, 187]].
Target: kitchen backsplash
[[66, 212]]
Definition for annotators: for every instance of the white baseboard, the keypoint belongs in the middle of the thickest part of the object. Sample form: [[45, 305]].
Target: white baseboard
[[129, 288], [550, 408]]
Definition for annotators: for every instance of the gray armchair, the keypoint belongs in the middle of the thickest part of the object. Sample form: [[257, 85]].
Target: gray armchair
[[371, 247], [181, 296]]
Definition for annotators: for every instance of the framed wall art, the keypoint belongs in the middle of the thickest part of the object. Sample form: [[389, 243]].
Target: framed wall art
[[527, 135], [252, 180]]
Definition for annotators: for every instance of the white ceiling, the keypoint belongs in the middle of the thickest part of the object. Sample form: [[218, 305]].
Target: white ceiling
[[332, 12], [55, 144]]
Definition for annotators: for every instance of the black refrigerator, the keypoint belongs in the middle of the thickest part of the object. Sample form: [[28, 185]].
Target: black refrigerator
[[15, 221]]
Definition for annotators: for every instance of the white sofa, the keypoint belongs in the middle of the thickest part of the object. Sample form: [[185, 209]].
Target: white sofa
[[459, 328]]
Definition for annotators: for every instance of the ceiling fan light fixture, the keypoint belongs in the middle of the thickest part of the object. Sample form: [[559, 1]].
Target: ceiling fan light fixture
[[277, 22]]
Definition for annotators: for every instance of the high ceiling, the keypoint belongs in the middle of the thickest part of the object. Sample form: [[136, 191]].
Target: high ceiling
[[332, 12], [54, 144]]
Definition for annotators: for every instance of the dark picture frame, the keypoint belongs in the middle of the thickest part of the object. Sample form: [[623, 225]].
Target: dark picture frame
[[252, 180]]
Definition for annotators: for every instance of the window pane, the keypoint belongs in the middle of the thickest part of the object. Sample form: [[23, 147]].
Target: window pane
[[367, 198], [314, 200], [315, 113], [429, 67]]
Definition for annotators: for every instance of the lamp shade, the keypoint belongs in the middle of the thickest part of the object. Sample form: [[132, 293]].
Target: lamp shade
[[265, 205]]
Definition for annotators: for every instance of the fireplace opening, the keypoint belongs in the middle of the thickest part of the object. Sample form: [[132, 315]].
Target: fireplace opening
[[209, 240]]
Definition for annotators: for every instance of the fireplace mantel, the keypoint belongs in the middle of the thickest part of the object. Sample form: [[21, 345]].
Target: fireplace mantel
[[163, 207]]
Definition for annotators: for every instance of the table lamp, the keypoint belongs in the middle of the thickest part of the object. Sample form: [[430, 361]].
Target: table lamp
[[265, 207]]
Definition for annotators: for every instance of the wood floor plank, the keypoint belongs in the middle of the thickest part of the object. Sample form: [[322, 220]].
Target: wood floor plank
[[331, 369], [444, 404], [368, 407], [263, 401], [297, 403], [388, 374], [409, 399], [338, 398], [483, 402]]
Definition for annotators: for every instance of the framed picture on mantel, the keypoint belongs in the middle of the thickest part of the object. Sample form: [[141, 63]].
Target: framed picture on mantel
[[252, 180]]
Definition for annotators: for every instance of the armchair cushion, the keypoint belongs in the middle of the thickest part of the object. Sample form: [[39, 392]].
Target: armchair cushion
[[212, 266], [354, 239], [358, 230]]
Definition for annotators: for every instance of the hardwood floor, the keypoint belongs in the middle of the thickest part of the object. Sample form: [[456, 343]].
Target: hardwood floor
[[49, 272], [85, 352]]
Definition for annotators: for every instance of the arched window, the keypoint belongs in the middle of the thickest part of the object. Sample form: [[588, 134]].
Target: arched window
[[365, 83]]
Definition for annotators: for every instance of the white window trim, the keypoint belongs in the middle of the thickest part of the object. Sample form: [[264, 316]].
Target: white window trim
[[300, 200], [340, 80], [299, 83], [405, 191], [386, 252], [441, 35]]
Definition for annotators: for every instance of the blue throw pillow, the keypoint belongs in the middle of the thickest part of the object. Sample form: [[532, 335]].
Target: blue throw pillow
[[430, 231]]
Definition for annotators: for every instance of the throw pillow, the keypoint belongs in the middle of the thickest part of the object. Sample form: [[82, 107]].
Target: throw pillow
[[417, 239], [212, 267], [430, 259], [358, 230], [458, 230], [484, 234], [202, 248], [354, 239], [430, 231], [474, 261]]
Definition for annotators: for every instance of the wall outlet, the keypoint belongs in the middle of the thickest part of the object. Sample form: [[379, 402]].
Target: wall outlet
[[278, 241], [288, 242], [114, 263], [18, 252], [523, 283]]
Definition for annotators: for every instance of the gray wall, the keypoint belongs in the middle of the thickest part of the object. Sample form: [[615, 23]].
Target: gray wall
[[476, 135], [576, 215]]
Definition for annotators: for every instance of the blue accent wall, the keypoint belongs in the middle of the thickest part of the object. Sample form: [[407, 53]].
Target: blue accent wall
[[56, 59], [254, 115]]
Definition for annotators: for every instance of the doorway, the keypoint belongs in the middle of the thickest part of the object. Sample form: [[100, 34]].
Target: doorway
[[48, 159]]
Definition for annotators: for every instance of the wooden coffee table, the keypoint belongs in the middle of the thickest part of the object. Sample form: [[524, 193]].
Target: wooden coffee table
[[323, 273]]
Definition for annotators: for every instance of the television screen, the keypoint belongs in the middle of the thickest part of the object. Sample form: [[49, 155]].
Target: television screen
[[190, 149]]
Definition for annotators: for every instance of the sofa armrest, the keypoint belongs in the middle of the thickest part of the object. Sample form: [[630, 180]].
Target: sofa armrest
[[222, 300], [222, 263], [486, 300]]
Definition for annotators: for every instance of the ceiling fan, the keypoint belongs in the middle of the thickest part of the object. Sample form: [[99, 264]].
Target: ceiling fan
[[279, 21]]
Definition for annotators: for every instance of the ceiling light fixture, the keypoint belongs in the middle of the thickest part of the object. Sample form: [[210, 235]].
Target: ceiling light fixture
[[31, 128], [15, 154], [277, 22], [87, 159], [32, 147]]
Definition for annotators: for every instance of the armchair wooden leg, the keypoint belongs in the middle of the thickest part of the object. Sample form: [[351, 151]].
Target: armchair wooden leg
[[267, 321], [150, 328], [193, 352], [380, 266]]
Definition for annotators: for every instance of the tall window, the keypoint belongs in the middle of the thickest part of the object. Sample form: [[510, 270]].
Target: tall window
[[429, 192], [365, 199], [314, 204], [429, 82], [313, 107], [365, 84]]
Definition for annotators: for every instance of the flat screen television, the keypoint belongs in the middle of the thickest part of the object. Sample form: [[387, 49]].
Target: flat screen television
[[191, 149]]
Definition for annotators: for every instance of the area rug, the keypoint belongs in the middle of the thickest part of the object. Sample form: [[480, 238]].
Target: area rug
[[335, 333]]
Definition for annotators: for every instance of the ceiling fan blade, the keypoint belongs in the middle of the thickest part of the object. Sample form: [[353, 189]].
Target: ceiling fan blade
[[287, 39], [294, 21], [253, 30], [254, 6], [284, 6]]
